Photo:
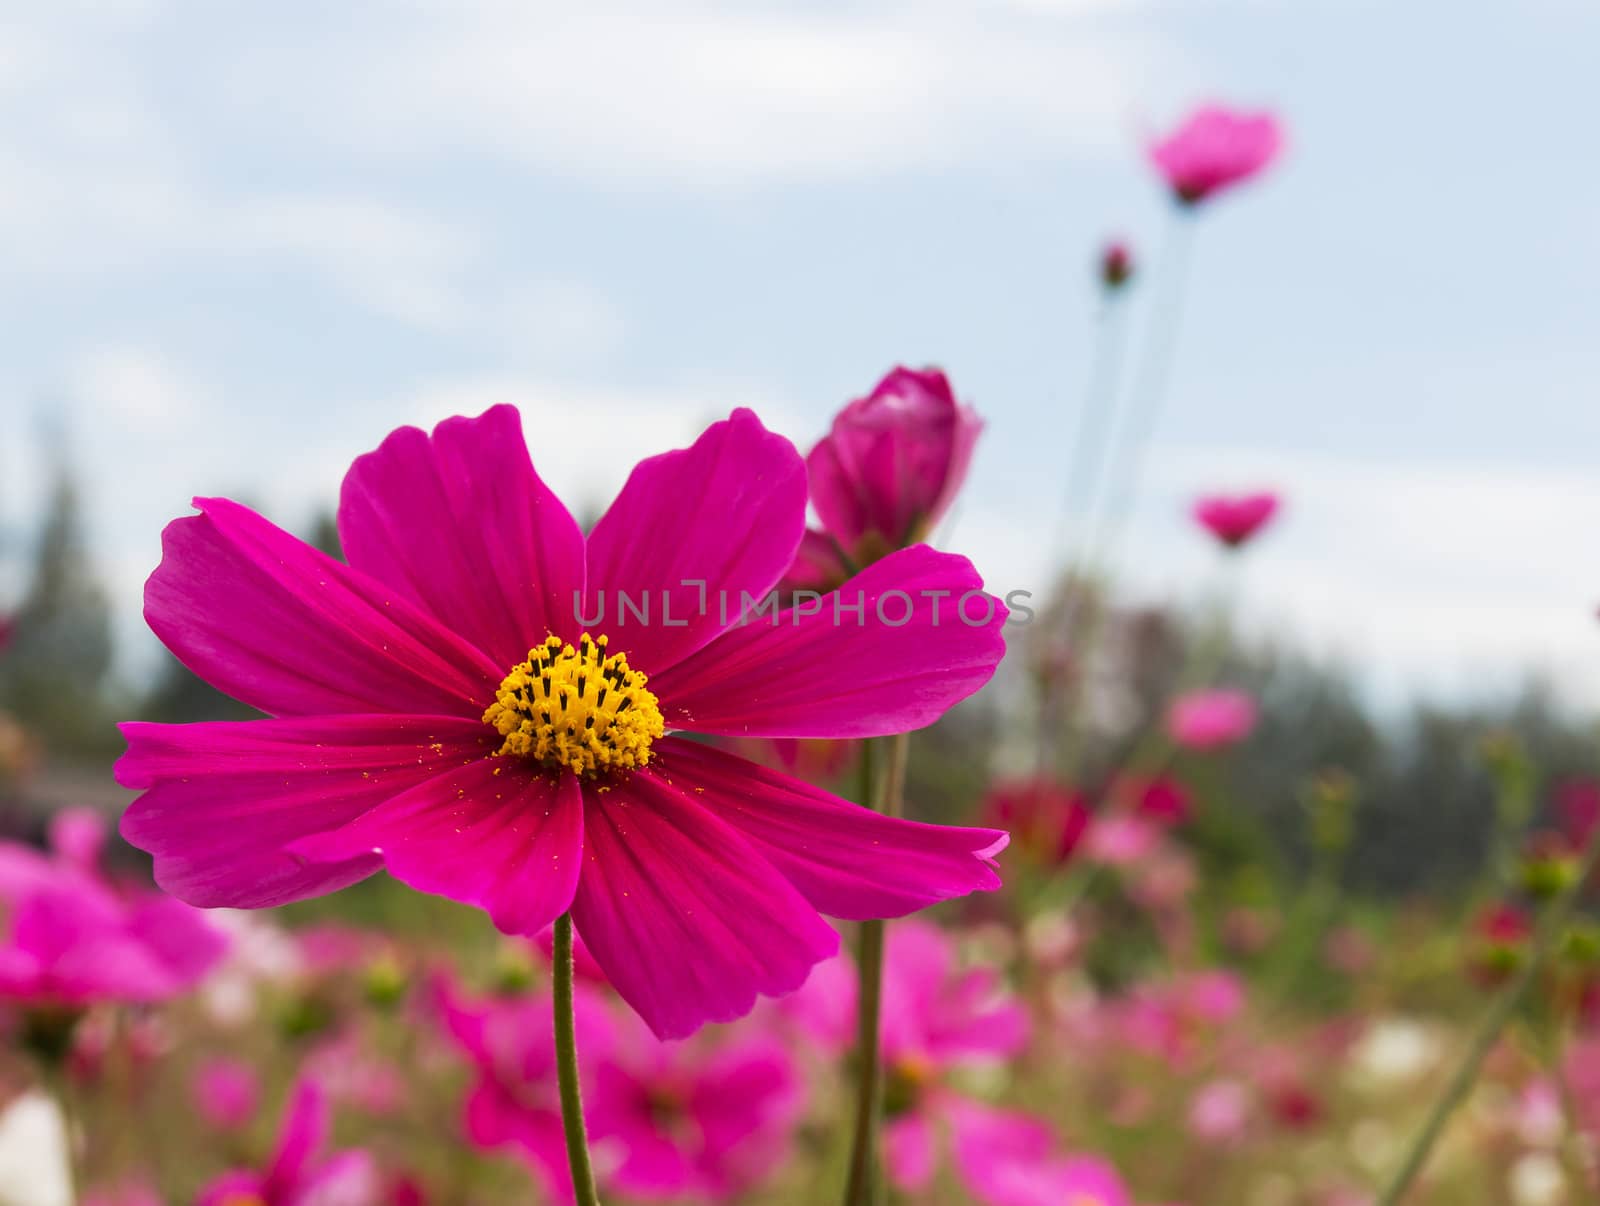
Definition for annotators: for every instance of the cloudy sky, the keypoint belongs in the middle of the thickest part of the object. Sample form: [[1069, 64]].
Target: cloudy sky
[[238, 244]]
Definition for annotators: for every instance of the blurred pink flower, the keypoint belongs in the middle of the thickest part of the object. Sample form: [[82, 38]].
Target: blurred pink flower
[[1116, 264], [73, 938], [226, 1093], [1046, 819], [891, 465], [1163, 799], [1233, 520], [297, 1174], [1214, 149], [1219, 1111], [706, 1118], [513, 1101], [402, 733], [1211, 719], [1578, 809], [1121, 839], [1070, 1181]]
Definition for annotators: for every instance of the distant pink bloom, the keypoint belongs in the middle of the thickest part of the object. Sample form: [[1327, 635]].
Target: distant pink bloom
[[1234, 519], [440, 711], [1211, 719], [1583, 1079], [226, 1093], [1046, 819], [1215, 997], [1116, 264], [8, 628], [78, 836], [1121, 839], [1069, 1181], [1214, 149], [938, 1020], [72, 938], [891, 465], [1578, 809], [1497, 942], [1164, 800], [704, 1119], [1219, 1111], [356, 1077], [298, 1174]]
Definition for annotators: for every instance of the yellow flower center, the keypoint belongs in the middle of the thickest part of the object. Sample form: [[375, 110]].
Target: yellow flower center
[[576, 708]]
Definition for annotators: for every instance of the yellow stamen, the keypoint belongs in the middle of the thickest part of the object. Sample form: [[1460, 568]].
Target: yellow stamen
[[576, 708]]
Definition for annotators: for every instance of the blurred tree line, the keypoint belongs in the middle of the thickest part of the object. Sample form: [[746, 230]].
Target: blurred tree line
[[1426, 799]]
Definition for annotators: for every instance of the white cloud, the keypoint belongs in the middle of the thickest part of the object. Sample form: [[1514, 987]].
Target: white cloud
[[135, 386], [707, 96]]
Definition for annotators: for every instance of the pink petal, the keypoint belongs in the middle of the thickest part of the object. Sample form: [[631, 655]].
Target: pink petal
[[839, 673], [910, 1150], [728, 512], [287, 629], [306, 1125], [1001, 1154], [496, 833], [460, 524], [688, 920], [848, 861], [225, 798]]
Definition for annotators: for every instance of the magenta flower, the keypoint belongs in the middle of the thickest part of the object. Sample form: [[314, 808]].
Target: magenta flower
[[1234, 519], [1070, 1181], [72, 938], [1046, 819], [889, 469], [514, 1102], [938, 1021], [1215, 149], [226, 1093], [705, 1119], [1211, 719], [442, 712], [297, 1174]]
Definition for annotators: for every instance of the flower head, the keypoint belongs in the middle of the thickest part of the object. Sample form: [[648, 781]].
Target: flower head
[[1046, 819], [707, 1118], [72, 938], [297, 1174], [226, 1092], [1234, 519], [488, 704], [1216, 148], [889, 469], [1211, 719]]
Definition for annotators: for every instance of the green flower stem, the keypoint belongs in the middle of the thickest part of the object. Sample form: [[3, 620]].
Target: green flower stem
[[583, 1189], [1546, 938], [862, 1188]]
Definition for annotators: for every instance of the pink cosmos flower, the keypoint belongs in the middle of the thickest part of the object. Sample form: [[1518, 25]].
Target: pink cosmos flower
[[1163, 800], [1578, 809], [890, 467], [296, 1174], [1234, 519], [72, 938], [1214, 149], [1073, 1181], [1219, 1111], [226, 1093], [705, 1119], [937, 1020], [1046, 819], [440, 711], [1120, 839], [1211, 719]]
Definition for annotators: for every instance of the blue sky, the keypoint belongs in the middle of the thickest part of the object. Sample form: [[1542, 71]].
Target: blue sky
[[240, 244]]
